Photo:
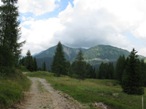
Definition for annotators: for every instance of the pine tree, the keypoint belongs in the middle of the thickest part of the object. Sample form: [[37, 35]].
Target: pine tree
[[35, 64], [106, 71], [102, 71], [9, 35], [110, 71], [143, 71], [80, 66], [59, 66], [44, 66], [120, 67], [29, 62], [132, 78], [90, 71], [68, 65]]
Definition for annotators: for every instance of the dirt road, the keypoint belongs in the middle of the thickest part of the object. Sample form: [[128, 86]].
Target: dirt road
[[43, 96]]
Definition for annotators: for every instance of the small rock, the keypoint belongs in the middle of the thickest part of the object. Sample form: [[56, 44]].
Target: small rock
[[100, 105]]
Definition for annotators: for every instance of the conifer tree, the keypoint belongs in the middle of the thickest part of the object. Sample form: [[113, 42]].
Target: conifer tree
[[9, 34], [29, 62], [106, 71], [120, 67], [143, 71], [80, 66], [59, 66], [35, 64], [132, 82], [110, 70], [90, 71], [44, 66], [102, 71]]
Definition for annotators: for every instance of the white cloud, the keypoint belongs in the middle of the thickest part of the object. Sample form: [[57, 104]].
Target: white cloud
[[88, 23], [140, 31], [129, 13], [40, 33], [1, 3], [104, 21], [142, 51], [37, 7]]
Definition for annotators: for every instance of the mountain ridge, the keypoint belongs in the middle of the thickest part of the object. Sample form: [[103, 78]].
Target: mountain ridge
[[93, 55]]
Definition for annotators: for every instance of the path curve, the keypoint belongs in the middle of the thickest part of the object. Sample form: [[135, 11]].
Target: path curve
[[43, 96]]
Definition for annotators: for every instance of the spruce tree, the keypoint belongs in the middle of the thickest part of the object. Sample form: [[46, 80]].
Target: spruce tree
[[120, 67], [35, 64], [106, 71], [44, 66], [90, 71], [59, 66], [80, 66], [102, 71], [132, 78], [9, 35], [110, 71], [29, 62], [143, 71]]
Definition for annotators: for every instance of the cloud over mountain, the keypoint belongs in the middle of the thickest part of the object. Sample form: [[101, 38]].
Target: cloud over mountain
[[86, 23]]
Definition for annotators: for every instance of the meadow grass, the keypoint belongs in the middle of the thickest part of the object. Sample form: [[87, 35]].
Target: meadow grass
[[11, 89], [90, 91]]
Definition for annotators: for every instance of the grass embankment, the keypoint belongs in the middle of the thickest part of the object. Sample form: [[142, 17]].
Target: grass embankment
[[11, 89], [92, 90]]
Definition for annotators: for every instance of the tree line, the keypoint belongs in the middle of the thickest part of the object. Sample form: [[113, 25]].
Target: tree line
[[129, 71], [78, 69], [30, 63]]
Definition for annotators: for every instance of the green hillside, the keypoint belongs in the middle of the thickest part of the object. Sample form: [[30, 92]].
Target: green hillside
[[70, 53], [99, 51], [105, 52], [94, 55]]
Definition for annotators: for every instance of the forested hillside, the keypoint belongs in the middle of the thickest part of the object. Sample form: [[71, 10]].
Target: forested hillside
[[94, 55]]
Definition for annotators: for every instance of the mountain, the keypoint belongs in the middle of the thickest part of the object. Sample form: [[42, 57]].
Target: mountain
[[94, 55], [47, 55], [103, 53], [70, 53]]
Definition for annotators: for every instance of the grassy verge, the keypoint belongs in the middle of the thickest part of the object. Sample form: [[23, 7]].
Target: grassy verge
[[91, 90], [11, 89]]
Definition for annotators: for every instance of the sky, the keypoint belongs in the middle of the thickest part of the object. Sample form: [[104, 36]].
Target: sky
[[83, 23]]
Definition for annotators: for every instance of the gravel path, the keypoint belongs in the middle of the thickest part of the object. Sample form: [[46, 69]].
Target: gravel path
[[43, 96]]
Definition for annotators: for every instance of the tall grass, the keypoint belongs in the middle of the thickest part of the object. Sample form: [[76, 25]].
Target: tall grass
[[90, 91], [11, 89]]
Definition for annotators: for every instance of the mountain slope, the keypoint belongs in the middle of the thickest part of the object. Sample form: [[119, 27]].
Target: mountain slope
[[105, 52], [94, 55], [70, 53]]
